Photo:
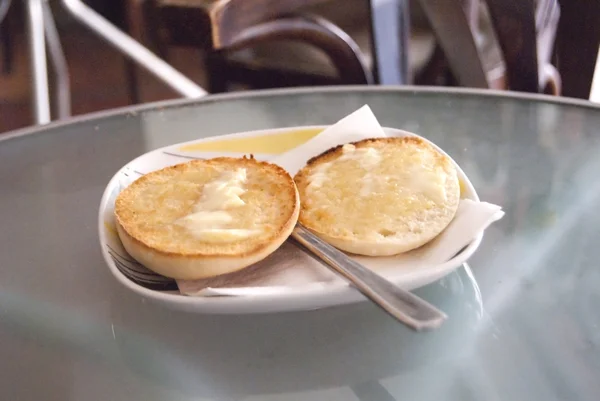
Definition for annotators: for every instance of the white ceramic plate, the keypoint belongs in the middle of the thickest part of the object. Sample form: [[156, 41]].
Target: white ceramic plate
[[264, 145]]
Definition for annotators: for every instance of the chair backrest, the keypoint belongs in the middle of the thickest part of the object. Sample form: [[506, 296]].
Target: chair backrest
[[524, 31]]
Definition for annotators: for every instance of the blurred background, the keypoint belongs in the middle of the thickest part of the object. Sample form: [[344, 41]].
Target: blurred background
[[536, 46]]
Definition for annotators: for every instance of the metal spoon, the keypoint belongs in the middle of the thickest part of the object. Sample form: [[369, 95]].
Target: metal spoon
[[401, 304]]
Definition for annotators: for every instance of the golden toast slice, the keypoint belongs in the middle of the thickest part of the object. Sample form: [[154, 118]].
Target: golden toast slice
[[379, 197], [205, 218]]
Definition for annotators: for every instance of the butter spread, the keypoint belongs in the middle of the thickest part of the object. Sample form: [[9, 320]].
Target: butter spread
[[224, 192], [209, 220], [430, 183], [367, 158], [416, 177], [318, 176]]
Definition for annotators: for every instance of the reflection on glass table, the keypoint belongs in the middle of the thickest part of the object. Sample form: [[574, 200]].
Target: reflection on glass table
[[522, 318]]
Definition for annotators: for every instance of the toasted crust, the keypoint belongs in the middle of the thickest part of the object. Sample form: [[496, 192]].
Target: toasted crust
[[146, 210], [386, 219]]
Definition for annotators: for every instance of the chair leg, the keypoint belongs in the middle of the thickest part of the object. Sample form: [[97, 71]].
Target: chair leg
[[435, 71], [7, 46], [5, 42], [133, 49], [216, 69], [139, 16], [390, 33], [59, 64], [131, 75], [453, 32], [39, 66], [514, 23]]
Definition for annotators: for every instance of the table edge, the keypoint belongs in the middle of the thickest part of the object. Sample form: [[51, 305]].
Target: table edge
[[177, 103]]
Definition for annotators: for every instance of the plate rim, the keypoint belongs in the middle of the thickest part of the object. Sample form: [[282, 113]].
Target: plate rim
[[310, 298]]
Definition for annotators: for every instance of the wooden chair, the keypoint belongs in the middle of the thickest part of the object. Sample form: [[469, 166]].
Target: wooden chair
[[232, 34], [256, 42], [516, 42], [6, 44], [578, 38]]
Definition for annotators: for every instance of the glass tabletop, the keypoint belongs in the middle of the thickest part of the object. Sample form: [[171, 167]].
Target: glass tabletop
[[523, 315]]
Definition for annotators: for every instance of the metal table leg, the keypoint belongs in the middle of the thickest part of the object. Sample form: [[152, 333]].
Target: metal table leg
[[61, 70], [131, 48], [37, 48], [391, 32]]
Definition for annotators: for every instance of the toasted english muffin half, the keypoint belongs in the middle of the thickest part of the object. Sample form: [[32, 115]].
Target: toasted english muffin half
[[205, 218], [379, 197]]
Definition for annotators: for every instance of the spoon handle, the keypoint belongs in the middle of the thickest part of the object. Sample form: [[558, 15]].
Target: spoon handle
[[401, 304]]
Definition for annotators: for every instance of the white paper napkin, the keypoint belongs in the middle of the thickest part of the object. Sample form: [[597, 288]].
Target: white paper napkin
[[290, 269], [361, 124]]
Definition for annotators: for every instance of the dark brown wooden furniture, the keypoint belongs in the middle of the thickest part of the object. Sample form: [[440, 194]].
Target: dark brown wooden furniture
[[514, 23], [6, 42], [224, 29], [524, 31], [230, 31], [227, 23], [577, 45]]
